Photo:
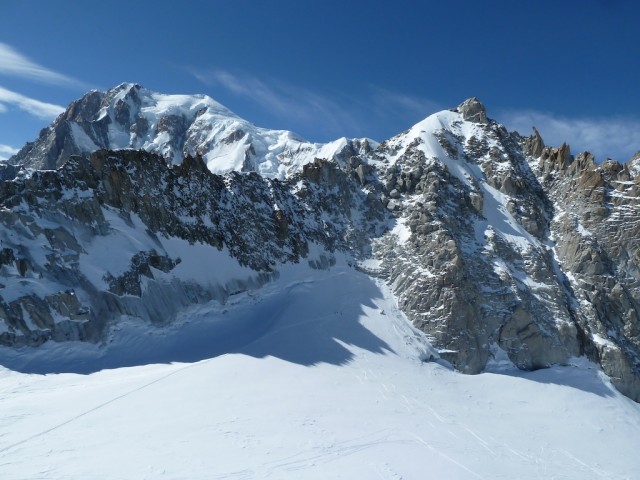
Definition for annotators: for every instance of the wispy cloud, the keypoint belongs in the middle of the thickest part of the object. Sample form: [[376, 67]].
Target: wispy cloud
[[6, 151], [283, 99], [387, 112], [389, 103], [43, 110], [373, 109], [15, 64], [616, 137]]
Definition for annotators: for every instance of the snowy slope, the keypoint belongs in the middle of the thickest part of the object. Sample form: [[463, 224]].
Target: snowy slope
[[132, 117], [318, 377], [226, 141]]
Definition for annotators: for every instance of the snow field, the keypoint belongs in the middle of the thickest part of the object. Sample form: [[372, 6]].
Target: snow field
[[319, 378]]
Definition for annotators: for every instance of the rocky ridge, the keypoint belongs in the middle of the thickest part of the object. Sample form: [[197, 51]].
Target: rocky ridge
[[476, 270], [497, 246], [119, 233], [596, 228]]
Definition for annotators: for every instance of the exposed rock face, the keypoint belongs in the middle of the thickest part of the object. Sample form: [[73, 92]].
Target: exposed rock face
[[596, 230], [58, 284], [534, 145], [476, 225], [493, 243], [473, 110]]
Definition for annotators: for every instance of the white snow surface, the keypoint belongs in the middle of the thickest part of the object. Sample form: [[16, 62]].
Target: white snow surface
[[224, 140], [315, 376], [200, 264]]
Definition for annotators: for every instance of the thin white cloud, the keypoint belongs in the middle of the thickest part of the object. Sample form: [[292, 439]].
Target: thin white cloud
[[43, 110], [616, 137], [287, 101], [7, 151], [386, 102], [373, 109], [15, 64]]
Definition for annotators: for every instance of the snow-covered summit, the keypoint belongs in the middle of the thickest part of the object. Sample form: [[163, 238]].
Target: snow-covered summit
[[130, 116]]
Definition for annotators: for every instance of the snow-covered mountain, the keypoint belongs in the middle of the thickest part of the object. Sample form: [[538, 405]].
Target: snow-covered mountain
[[174, 126], [467, 222], [143, 229]]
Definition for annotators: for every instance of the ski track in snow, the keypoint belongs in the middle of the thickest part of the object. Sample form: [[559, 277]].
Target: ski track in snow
[[261, 410], [94, 409]]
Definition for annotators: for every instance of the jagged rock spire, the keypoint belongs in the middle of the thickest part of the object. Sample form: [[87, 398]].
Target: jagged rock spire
[[534, 145]]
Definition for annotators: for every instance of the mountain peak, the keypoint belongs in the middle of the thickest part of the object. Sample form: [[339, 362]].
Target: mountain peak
[[129, 116], [473, 110]]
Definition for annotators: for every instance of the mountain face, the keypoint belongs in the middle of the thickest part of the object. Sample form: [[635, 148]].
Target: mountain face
[[174, 126], [498, 247]]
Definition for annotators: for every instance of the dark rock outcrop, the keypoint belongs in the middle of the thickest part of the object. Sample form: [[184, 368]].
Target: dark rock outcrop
[[473, 110]]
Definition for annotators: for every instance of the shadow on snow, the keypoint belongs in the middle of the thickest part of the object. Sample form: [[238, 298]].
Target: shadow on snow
[[583, 376], [306, 323]]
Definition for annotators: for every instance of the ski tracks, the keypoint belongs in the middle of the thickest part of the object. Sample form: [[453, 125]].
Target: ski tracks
[[6, 448]]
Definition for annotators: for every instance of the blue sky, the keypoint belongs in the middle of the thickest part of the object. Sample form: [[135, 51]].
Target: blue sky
[[326, 69]]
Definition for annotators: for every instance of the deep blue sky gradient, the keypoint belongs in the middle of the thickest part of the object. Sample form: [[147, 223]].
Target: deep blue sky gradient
[[331, 68]]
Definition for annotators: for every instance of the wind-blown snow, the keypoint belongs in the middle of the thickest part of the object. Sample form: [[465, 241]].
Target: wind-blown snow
[[319, 376]]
